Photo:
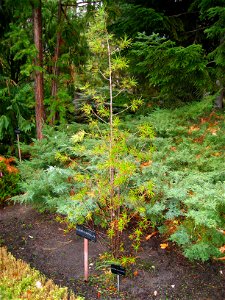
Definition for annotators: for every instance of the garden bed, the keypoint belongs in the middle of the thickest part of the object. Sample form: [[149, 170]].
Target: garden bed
[[45, 244]]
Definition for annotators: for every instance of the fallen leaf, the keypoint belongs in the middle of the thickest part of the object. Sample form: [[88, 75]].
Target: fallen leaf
[[217, 154], [150, 235], [199, 139], [193, 128], [135, 273], [99, 295], [222, 249], [164, 246], [72, 192], [191, 193], [173, 148], [146, 163], [212, 130], [220, 258]]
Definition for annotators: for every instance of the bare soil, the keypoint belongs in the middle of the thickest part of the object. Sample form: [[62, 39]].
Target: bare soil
[[40, 240]]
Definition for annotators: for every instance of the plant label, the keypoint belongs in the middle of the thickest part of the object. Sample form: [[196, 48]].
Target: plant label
[[86, 233], [118, 270], [17, 131]]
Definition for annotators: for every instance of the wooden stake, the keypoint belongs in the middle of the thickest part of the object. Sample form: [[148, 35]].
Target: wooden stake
[[18, 143], [85, 259], [118, 283]]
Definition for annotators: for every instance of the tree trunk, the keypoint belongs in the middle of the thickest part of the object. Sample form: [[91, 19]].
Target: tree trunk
[[55, 68], [39, 82]]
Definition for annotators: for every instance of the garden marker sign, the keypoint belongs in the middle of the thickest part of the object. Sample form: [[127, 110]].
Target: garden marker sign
[[88, 235], [118, 270], [17, 132]]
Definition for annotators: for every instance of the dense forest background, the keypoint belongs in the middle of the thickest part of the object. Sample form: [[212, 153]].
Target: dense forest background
[[132, 90], [176, 55]]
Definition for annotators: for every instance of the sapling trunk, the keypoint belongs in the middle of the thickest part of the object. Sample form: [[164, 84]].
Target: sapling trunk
[[113, 214], [111, 168]]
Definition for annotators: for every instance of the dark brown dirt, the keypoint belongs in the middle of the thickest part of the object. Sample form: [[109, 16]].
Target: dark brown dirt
[[160, 274]]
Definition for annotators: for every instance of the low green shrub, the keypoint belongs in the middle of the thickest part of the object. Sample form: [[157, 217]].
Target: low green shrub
[[188, 175], [19, 281]]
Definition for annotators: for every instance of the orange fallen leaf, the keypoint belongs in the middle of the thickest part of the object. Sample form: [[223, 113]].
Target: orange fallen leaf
[[217, 154], [220, 258], [11, 169], [135, 273], [193, 128], [212, 130], [191, 193], [72, 192], [222, 249], [199, 139], [146, 163], [150, 235], [99, 295], [164, 246], [173, 148]]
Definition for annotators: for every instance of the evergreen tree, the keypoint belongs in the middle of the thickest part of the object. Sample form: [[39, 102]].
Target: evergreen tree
[[185, 24], [16, 92]]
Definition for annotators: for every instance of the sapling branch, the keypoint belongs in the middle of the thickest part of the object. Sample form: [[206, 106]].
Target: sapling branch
[[123, 90], [103, 75], [97, 116], [125, 109]]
